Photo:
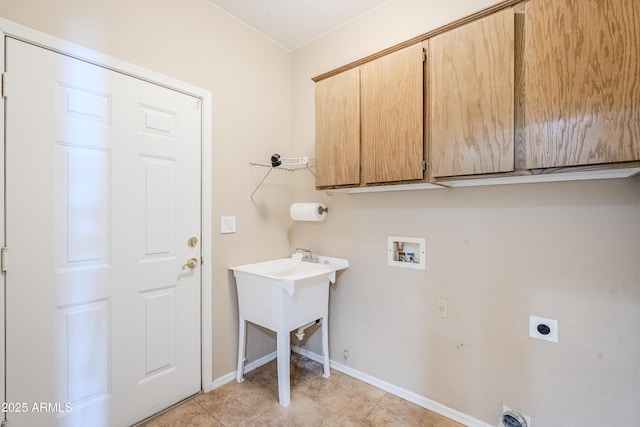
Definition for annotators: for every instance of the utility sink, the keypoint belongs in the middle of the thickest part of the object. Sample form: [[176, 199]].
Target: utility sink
[[285, 272], [282, 295]]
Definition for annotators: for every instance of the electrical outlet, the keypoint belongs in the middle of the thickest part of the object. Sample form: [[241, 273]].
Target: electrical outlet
[[543, 329], [442, 308]]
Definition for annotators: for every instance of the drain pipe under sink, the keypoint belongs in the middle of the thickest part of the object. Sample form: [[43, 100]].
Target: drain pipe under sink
[[300, 333]]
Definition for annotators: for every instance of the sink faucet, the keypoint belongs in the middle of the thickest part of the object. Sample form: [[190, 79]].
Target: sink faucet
[[307, 255]]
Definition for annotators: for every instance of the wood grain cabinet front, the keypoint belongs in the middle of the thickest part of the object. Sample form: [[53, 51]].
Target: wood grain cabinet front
[[338, 129], [369, 122], [522, 90], [471, 106], [392, 117], [582, 82]]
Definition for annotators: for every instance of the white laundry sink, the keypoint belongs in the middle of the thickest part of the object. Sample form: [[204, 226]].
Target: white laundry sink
[[282, 295], [286, 272]]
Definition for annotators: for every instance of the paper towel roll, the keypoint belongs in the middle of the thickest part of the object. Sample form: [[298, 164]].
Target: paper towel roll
[[308, 211]]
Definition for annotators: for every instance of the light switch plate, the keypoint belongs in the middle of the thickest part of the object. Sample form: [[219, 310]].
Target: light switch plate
[[227, 224]]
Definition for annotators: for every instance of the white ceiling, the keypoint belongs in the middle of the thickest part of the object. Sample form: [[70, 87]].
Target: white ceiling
[[294, 23]]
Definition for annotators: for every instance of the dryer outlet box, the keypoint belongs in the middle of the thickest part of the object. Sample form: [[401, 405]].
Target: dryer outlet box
[[528, 419], [543, 329]]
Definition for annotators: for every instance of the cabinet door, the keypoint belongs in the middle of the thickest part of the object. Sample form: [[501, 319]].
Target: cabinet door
[[338, 129], [582, 82], [392, 117], [472, 97]]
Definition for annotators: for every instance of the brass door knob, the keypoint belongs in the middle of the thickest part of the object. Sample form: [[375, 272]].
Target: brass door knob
[[192, 263]]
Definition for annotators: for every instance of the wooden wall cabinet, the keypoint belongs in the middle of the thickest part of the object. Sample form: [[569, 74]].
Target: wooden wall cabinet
[[552, 86], [471, 106], [338, 129], [582, 82], [369, 122], [392, 117], [525, 91]]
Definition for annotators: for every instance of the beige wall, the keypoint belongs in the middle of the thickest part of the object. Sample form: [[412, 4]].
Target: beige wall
[[250, 79], [568, 251]]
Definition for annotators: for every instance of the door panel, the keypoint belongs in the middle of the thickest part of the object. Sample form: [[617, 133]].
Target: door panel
[[160, 332], [159, 207], [83, 229], [103, 193], [83, 349]]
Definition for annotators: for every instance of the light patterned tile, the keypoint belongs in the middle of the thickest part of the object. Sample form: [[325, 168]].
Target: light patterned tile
[[189, 414], [393, 411], [304, 369], [238, 404], [303, 412], [342, 395], [337, 401], [345, 420]]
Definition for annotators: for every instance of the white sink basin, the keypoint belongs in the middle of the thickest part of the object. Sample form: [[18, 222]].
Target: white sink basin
[[282, 295], [285, 272]]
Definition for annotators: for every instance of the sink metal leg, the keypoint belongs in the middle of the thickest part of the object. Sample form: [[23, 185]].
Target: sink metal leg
[[325, 345], [242, 344], [284, 356]]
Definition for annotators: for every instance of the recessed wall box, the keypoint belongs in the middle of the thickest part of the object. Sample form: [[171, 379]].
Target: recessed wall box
[[406, 252]]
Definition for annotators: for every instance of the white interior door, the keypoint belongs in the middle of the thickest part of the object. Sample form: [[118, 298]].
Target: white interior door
[[103, 192]]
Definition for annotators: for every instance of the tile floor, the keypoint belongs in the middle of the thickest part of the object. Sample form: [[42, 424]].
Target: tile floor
[[339, 400]]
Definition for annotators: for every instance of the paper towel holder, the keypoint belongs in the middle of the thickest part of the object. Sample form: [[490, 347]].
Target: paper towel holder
[[314, 211]]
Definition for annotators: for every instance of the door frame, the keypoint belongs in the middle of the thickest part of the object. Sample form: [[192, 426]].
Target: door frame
[[18, 31]]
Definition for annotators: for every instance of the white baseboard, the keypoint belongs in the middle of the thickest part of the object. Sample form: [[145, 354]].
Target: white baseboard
[[422, 401], [308, 354], [231, 376], [410, 396], [219, 382]]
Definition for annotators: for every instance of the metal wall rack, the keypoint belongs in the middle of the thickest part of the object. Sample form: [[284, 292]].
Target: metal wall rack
[[289, 164]]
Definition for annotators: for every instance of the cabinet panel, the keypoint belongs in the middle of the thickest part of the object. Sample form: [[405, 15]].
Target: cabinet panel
[[338, 129], [472, 97], [392, 117], [582, 82]]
